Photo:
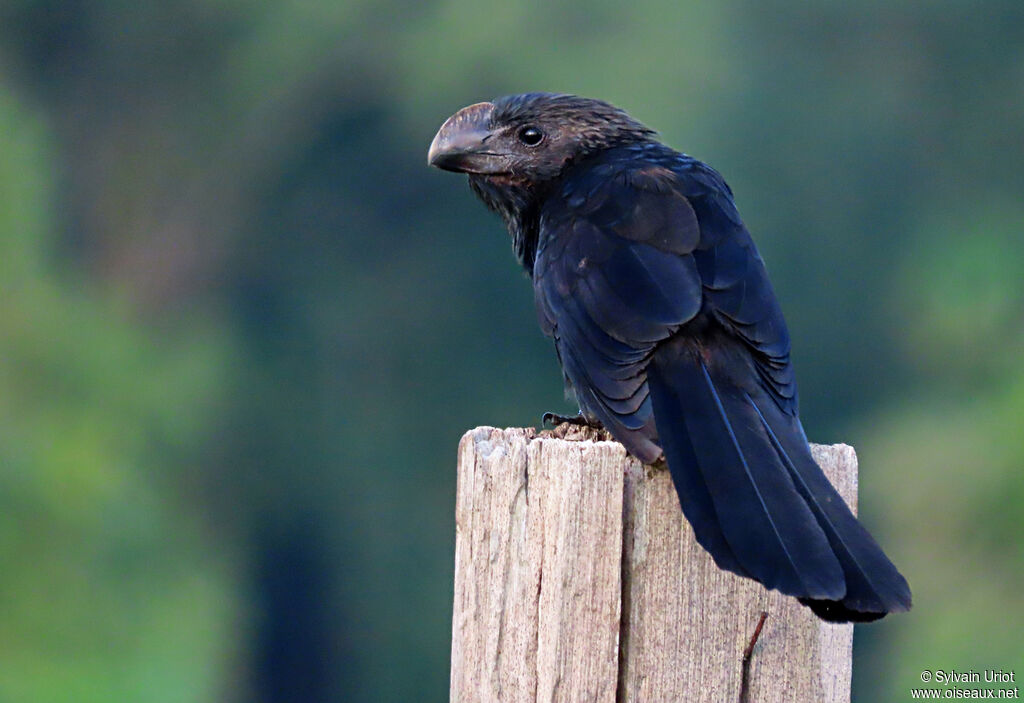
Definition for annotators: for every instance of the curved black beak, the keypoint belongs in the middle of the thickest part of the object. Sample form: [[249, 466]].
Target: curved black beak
[[461, 143]]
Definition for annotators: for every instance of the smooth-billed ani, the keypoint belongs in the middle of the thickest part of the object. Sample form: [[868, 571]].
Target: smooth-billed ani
[[670, 335]]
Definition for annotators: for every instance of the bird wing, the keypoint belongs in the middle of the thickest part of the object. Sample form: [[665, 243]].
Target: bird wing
[[629, 255], [614, 276], [736, 287]]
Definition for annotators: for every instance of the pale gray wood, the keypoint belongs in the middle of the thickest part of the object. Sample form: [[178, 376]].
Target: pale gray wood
[[578, 579]]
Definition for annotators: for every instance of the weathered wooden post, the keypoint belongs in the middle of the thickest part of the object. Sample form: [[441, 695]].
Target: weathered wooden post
[[578, 579]]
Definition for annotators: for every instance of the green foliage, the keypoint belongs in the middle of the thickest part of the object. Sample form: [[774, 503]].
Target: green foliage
[[241, 317], [114, 594]]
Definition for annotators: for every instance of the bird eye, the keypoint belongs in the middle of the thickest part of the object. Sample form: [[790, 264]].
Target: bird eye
[[530, 136]]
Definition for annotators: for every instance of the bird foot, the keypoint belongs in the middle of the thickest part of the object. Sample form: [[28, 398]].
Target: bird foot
[[554, 419]]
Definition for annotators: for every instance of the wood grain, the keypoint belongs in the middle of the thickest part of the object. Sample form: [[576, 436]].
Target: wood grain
[[578, 579]]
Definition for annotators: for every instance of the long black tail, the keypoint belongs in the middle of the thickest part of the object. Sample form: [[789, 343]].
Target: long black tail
[[757, 500]]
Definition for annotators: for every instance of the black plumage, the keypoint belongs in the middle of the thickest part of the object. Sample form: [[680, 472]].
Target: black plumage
[[670, 335]]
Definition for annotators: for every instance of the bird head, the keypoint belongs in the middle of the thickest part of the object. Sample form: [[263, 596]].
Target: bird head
[[530, 137]]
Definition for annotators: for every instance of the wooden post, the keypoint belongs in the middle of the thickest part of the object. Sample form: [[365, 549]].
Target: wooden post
[[578, 579]]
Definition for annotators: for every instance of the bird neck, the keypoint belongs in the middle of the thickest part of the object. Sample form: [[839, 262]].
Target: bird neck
[[517, 201]]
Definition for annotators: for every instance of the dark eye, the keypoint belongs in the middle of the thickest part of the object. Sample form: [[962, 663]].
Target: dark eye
[[530, 136]]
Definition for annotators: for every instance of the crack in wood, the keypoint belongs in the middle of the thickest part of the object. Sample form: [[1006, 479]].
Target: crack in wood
[[748, 655], [577, 578]]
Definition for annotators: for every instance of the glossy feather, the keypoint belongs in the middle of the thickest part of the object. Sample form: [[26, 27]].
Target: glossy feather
[[670, 336]]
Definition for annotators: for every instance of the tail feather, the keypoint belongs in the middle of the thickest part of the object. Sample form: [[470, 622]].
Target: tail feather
[[694, 496], [873, 584], [756, 508], [758, 502]]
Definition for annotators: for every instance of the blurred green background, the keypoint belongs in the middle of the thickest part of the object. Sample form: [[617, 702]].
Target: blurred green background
[[243, 326]]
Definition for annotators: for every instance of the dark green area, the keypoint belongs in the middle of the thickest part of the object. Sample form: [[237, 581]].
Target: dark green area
[[243, 326]]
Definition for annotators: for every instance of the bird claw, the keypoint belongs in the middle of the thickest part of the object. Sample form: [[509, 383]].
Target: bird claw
[[554, 419]]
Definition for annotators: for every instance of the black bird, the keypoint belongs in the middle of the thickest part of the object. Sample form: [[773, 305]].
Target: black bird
[[670, 335]]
